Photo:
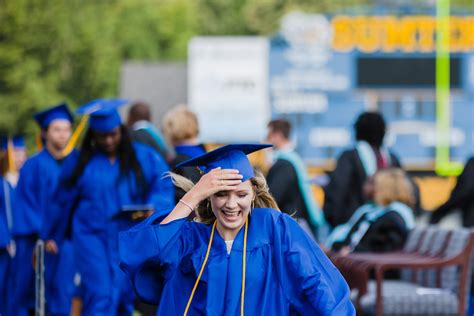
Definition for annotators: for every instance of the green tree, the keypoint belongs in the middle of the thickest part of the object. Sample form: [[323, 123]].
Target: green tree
[[53, 51]]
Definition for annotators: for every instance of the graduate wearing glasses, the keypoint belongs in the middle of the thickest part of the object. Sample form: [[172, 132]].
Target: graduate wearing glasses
[[105, 188], [239, 255]]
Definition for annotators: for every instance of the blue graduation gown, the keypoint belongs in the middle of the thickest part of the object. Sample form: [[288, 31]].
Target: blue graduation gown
[[287, 273], [5, 239], [190, 151], [5, 236], [34, 193], [92, 205]]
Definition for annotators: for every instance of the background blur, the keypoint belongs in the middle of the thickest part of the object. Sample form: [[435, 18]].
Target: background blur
[[316, 63]]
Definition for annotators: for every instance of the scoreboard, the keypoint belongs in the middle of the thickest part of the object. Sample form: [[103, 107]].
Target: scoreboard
[[320, 72], [325, 70]]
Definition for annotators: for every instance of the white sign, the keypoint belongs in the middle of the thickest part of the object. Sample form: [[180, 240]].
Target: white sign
[[228, 87], [297, 102], [329, 137]]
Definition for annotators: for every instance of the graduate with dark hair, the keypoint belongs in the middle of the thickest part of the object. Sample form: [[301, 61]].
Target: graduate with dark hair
[[38, 179], [240, 255], [289, 183], [143, 131], [105, 188], [344, 193]]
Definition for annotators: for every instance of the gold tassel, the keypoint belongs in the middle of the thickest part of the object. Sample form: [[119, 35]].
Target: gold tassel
[[38, 142], [10, 156], [75, 136]]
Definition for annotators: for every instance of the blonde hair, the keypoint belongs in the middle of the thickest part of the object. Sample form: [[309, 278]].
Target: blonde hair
[[392, 185], [180, 124], [204, 214]]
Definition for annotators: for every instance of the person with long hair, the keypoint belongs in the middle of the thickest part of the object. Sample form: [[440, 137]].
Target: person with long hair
[[107, 187], [239, 255], [33, 195]]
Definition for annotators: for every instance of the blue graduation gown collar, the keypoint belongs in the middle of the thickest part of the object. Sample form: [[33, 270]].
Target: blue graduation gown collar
[[218, 253]]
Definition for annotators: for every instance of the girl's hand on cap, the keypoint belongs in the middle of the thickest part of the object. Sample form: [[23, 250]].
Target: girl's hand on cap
[[214, 181]]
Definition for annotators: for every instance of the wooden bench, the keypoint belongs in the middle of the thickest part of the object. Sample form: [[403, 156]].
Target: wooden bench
[[435, 270]]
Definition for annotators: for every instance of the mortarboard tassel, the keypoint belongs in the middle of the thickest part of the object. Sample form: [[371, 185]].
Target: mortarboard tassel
[[38, 142], [202, 268], [75, 136], [11, 163]]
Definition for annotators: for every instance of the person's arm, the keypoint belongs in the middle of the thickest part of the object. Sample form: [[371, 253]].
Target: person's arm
[[55, 228], [338, 188], [27, 213], [463, 191], [311, 283], [149, 253]]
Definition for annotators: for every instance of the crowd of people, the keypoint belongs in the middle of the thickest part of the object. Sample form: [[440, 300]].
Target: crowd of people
[[141, 213]]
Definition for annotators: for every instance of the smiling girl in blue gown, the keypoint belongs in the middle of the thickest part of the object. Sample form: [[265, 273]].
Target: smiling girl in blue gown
[[240, 255]]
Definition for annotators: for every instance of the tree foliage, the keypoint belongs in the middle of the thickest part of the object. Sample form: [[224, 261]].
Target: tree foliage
[[54, 51]]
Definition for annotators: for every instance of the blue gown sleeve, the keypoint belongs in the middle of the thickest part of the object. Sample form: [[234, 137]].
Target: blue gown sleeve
[[65, 196], [149, 254], [27, 216], [311, 283]]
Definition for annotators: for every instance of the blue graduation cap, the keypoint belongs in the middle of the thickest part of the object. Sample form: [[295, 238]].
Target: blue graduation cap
[[19, 141], [3, 142], [227, 157], [103, 113], [61, 111]]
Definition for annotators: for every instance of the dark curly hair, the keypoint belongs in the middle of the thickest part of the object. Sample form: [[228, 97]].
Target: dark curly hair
[[370, 127], [126, 156]]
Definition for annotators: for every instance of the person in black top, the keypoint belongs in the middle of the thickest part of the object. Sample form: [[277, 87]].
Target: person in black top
[[282, 178], [288, 179], [462, 197], [344, 193]]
